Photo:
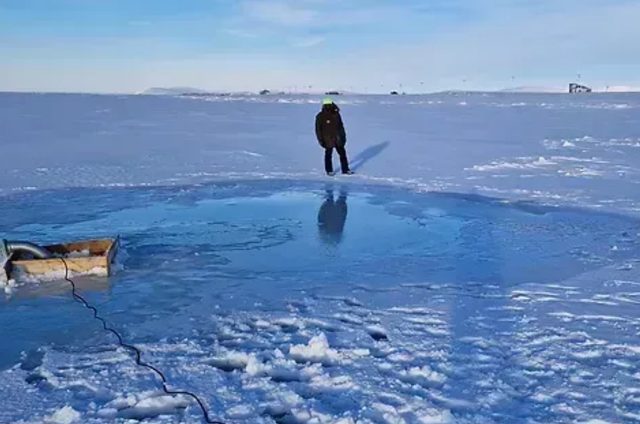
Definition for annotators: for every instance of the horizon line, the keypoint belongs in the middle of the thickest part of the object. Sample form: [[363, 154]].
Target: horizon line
[[303, 93]]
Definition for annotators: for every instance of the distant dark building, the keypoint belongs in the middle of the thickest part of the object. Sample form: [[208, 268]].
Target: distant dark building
[[332, 93], [265, 92], [577, 88], [394, 93]]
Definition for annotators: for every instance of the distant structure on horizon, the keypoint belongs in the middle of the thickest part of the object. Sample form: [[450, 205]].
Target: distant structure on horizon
[[577, 88]]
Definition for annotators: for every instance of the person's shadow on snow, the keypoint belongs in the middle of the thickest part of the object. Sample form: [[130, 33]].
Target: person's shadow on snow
[[332, 217], [367, 154]]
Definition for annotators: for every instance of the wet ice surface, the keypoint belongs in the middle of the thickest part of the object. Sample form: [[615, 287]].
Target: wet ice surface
[[559, 149], [310, 303], [415, 308]]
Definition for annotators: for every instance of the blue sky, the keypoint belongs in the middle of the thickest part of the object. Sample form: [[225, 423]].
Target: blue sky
[[364, 45]]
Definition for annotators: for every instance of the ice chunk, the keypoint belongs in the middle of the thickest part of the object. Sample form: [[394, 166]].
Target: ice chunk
[[65, 415], [377, 332], [316, 351]]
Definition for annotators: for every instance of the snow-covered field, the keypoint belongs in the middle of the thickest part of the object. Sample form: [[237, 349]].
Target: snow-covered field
[[480, 267]]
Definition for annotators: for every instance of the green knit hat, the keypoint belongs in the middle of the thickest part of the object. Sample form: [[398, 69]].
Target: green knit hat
[[327, 101]]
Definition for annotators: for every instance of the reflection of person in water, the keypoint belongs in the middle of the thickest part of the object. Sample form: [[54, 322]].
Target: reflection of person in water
[[332, 217]]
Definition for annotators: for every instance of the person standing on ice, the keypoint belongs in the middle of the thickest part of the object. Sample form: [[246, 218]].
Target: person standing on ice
[[331, 135]]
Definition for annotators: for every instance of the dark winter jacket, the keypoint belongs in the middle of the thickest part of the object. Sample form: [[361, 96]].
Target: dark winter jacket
[[330, 128]]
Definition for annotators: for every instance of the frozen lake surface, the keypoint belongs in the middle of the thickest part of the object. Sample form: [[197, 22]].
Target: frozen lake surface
[[407, 294]]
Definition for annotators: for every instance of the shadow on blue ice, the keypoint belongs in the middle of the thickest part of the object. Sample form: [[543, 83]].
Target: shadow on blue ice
[[368, 154], [332, 217]]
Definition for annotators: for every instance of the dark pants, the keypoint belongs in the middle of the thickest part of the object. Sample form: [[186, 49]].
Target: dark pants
[[328, 159]]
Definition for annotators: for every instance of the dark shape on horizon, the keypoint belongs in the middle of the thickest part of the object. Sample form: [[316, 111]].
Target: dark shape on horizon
[[265, 92], [332, 93], [578, 88]]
